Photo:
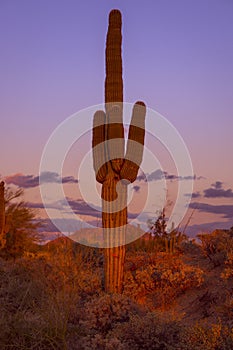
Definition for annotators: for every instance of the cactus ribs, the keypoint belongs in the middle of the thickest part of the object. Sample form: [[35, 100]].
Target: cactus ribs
[[113, 167]]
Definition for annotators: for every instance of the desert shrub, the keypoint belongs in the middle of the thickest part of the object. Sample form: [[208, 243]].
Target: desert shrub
[[148, 332], [216, 246], [146, 243], [70, 269], [226, 308], [104, 312], [207, 337], [20, 288], [27, 320], [101, 315], [228, 271], [115, 322], [29, 331], [99, 342], [139, 284], [197, 337], [190, 248], [91, 256], [41, 301], [164, 278], [225, 342]]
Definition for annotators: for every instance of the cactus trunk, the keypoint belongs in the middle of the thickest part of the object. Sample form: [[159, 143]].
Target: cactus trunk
[[112, 167], [114, 224], [114, 220]]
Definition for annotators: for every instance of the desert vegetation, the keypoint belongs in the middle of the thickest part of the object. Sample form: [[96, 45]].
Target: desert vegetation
[[55, 299], [52, 296]]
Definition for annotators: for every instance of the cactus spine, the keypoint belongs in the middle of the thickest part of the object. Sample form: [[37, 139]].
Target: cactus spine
[[113, 168], [2, 216]]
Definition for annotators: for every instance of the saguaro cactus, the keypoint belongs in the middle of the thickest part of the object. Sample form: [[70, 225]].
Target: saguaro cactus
[[2, 215], [113, 167]]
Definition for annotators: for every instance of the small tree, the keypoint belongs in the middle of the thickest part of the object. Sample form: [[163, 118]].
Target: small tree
[[168, 241], [20, 224]]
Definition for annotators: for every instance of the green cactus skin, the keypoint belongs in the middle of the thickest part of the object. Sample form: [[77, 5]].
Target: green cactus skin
[[110, 162], [2, 216]]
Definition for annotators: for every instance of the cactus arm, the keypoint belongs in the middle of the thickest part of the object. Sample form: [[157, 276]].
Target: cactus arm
[[134, 152], [98, 146]]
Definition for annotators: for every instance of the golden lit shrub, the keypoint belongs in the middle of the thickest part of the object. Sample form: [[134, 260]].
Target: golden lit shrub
[[165, 278], [228, 271]]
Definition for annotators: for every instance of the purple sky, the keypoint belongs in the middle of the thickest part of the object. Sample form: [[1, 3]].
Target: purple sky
[[177, 57]]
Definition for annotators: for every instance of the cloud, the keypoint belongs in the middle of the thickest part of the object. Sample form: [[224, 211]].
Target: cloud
[[216, 191], [207, 227], [24, 181], [82, 208], [78, 206], [196, 195], [193, 195], [51, 177], [35, 205], [189, 177], [182, 178], [132, 215], [225, 210], [170, 177], [69, 179], [156, 175], [160, 175], [66, 225], [141, 177], [217, 185], [30, 181], [136, 188]]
